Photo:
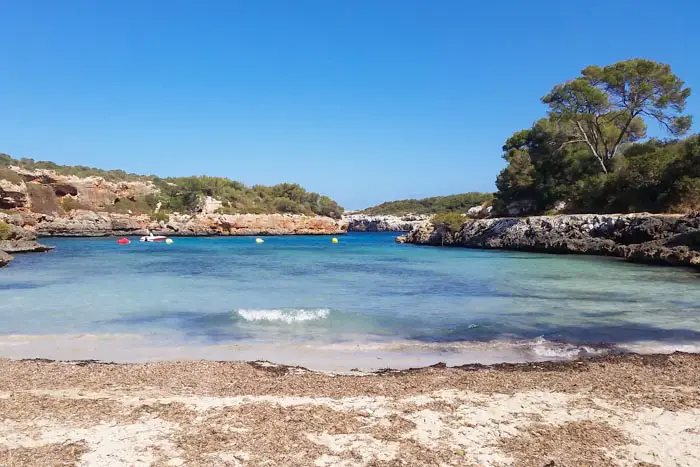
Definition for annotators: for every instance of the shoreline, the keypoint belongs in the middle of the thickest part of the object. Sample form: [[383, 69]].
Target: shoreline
[[615, 410], [365, 356], [654, 239], [578, 364], [192, 235]]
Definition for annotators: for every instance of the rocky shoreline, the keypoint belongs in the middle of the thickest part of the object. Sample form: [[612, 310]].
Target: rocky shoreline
[[645, 238], [19, 240], [365, 223], [83, 223], [25, 227]]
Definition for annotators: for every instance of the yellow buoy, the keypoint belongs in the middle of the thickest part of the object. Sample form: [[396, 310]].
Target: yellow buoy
[[169, 241], [334, 240], [259, 240]]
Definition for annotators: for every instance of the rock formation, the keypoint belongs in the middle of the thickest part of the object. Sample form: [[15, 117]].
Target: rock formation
[[661, 239], [45, 192], [82, 223], [65, 205], [15, 239], [4, 259], [364, 223]]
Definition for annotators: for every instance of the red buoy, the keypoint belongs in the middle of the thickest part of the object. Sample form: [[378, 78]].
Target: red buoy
[[123, 241]]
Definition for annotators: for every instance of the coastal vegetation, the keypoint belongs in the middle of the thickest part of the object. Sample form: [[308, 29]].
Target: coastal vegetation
[[5, 231], [185, 193], [175, 194], [77, 170], [591, 152], [451, 221], [437, 204]]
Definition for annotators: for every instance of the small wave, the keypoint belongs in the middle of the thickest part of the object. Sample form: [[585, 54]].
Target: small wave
[[285, 316], [543, 348]]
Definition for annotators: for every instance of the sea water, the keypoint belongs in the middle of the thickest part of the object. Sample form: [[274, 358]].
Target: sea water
[[365, 302]]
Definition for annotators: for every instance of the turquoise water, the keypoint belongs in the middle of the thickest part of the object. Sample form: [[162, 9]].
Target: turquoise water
[[365, 292]]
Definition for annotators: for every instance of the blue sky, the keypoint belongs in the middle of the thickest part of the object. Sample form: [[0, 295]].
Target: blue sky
[[365, 101]]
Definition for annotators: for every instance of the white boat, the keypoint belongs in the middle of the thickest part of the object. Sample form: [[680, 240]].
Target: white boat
[[153, 238]]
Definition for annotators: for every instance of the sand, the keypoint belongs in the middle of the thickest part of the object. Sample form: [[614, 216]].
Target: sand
[[618, 410]]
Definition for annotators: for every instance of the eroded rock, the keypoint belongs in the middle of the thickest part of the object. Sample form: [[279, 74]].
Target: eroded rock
[[661, 239], [365, 223]]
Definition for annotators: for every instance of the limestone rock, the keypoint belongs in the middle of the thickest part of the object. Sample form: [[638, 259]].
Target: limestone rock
[[23, 246], [663, 239], [209, 205], [4, 259], [84, 223], [365, 223], [12, 195], [479, 212], [93, 193]]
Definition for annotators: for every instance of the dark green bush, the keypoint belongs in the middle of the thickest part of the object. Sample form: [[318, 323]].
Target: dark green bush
[[451, 203], [451, 221]]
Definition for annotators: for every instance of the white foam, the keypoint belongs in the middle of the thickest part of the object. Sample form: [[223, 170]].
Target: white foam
[[543, 348], [286, 316], [651, 347]]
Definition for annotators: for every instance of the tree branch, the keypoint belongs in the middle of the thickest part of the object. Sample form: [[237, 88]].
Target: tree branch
[[658, 119], [621, 135], [600, 132], [593, 149], [570, 142]]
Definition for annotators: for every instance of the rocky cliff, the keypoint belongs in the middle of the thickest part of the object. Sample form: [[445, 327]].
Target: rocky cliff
[[661, 239], [46, 192], [365, 223], [83, 223], [52, 204]]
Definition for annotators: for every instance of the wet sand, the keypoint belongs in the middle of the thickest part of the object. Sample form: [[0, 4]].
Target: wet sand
[[627, 410]]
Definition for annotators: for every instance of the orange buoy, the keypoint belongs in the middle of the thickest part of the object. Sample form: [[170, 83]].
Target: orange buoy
[[123, 241]]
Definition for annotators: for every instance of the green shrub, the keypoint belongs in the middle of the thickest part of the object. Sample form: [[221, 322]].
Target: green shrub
[[70, 204], [437, 204], [133, 206], [451, 221], [43, 199], [160, 216], [5, 231], [10, 175]]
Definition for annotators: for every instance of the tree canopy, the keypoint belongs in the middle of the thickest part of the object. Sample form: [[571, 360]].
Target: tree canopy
[[605, 107], [437, 204], [591, 152]]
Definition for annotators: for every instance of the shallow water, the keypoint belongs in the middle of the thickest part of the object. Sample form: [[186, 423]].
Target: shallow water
[[365, 299]]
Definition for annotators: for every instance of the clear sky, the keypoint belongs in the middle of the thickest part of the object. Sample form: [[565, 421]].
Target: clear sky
[[363, 100]]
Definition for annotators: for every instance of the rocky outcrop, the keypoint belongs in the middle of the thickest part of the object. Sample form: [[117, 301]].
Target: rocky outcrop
[[661, 239], [17, 239], [12, 194], [4, 259], [479, 212], [46, 192], [64, 205], [364, 223], [83, 223], [23, 246]]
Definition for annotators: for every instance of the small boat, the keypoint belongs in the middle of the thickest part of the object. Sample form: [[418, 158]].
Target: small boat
[[153, 238]]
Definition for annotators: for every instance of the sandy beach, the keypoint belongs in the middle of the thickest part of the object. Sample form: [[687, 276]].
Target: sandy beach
[[616, 410]]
